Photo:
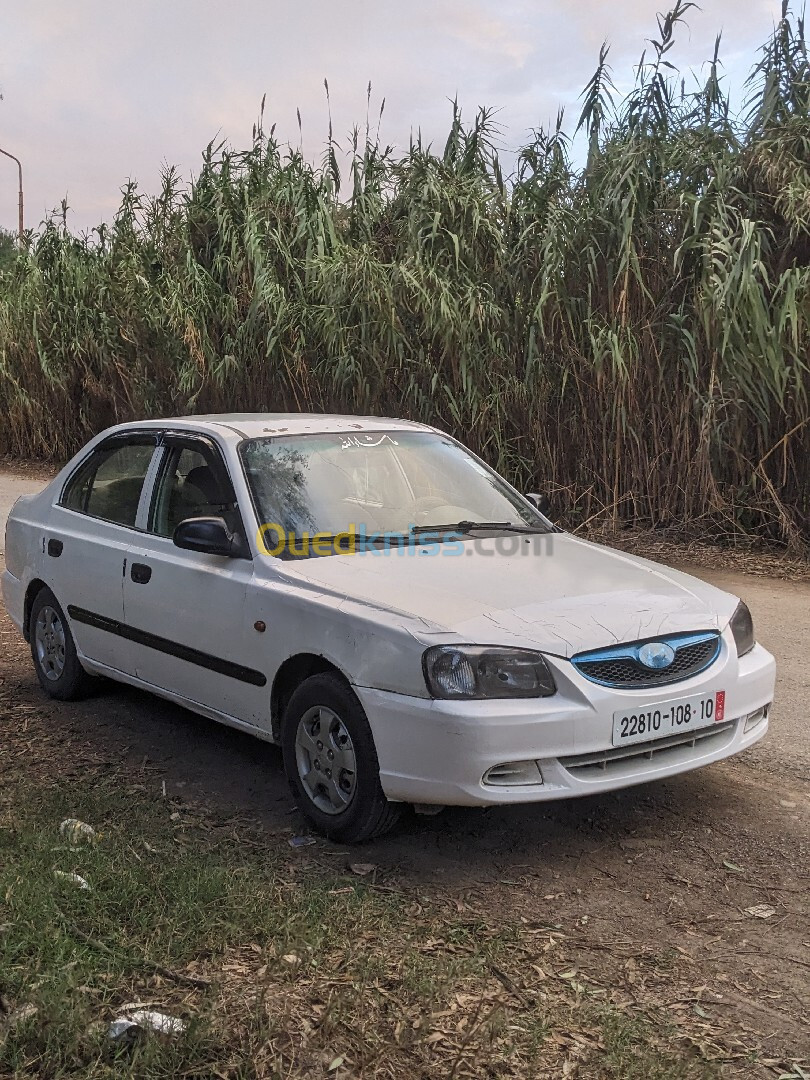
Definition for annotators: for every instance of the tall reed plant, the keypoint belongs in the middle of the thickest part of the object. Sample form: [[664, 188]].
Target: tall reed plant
[[630, 332]]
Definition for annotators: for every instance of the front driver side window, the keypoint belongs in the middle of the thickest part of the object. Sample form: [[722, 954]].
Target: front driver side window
[[189, 488], [109, 484]]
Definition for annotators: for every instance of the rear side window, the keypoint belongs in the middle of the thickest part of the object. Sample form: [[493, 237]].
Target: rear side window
[[110, 482]]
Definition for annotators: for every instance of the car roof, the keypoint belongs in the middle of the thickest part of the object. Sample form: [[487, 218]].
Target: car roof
[[257, 425]]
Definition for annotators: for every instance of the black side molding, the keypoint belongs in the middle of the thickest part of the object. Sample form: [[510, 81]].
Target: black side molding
[[165, 645]]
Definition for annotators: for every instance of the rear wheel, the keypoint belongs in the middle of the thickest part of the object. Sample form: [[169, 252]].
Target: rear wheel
[[57, 665], [331, 762]]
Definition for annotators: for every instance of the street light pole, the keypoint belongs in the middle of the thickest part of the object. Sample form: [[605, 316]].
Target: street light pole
[[19, 168]]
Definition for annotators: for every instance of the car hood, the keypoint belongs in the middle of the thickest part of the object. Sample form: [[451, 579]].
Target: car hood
[[552, 592]]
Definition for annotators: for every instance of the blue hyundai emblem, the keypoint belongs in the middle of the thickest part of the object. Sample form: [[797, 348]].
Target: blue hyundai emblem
[[656, 655]]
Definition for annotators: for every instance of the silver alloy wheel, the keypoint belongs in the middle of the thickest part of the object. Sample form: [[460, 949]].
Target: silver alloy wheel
[[324, 754], [49, 639]]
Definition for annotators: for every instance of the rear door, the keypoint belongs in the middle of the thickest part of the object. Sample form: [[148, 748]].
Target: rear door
[[86, 544], [185, 610]]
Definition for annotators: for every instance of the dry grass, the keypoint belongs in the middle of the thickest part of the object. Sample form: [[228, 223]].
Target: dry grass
[[740, 554]]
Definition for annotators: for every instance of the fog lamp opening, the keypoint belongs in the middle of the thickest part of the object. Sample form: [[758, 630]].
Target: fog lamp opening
[[513, 774], [755, 718]]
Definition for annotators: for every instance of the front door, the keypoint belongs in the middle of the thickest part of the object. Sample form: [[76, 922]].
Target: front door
[[185, 611]]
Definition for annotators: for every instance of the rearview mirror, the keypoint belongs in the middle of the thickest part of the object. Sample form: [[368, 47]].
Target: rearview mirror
[[542, 502], [209, 535]]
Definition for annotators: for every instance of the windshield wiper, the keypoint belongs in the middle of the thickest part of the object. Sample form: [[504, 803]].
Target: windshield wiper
[[345, 543], [476, 526]]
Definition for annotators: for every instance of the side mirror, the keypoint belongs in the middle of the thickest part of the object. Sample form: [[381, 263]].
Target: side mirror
[[542, 502], [206, 534]]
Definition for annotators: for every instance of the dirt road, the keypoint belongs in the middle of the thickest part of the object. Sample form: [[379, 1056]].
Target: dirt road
[[11, 488], [655, 890]]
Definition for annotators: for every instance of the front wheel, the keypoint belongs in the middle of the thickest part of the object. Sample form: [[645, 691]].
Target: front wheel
[[331, 762]]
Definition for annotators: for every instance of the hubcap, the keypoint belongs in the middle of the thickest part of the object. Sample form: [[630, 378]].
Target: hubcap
[[324, 754], [49, 640]]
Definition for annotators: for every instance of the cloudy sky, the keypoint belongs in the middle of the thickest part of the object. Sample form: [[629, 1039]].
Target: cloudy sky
[[97, 91]]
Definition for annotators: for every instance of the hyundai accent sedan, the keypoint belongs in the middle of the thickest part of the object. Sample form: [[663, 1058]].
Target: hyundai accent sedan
[[371, 596]]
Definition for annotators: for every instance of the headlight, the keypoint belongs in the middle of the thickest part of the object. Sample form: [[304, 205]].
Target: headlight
[[742, 627], [465, 672]]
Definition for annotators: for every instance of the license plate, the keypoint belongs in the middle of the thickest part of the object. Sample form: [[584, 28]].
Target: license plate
[[668, 718]]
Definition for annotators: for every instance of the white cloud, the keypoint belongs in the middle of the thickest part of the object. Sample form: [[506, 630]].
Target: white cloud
[[97, 92]]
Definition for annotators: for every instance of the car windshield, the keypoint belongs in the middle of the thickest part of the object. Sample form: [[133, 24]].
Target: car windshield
[[375, 483]]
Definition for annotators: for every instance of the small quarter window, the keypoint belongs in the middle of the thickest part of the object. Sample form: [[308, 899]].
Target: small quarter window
[[109, 484]]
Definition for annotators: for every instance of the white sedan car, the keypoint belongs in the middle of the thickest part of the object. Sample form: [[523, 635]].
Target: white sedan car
[[374, 598]]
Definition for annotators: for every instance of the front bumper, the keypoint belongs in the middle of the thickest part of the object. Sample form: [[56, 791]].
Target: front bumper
[[439, 751]]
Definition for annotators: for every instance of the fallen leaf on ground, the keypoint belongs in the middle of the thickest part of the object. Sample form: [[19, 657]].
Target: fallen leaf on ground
[[761, 911]]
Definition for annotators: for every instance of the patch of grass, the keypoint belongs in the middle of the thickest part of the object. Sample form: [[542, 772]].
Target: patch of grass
[[633, 1051], [169, 894], [280, 964]]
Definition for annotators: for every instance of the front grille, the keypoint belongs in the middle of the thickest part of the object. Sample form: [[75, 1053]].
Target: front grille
[[620, 667], [615, 759]]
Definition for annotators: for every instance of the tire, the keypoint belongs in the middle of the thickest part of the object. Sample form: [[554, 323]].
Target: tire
[[57, 665], [331, 762]]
